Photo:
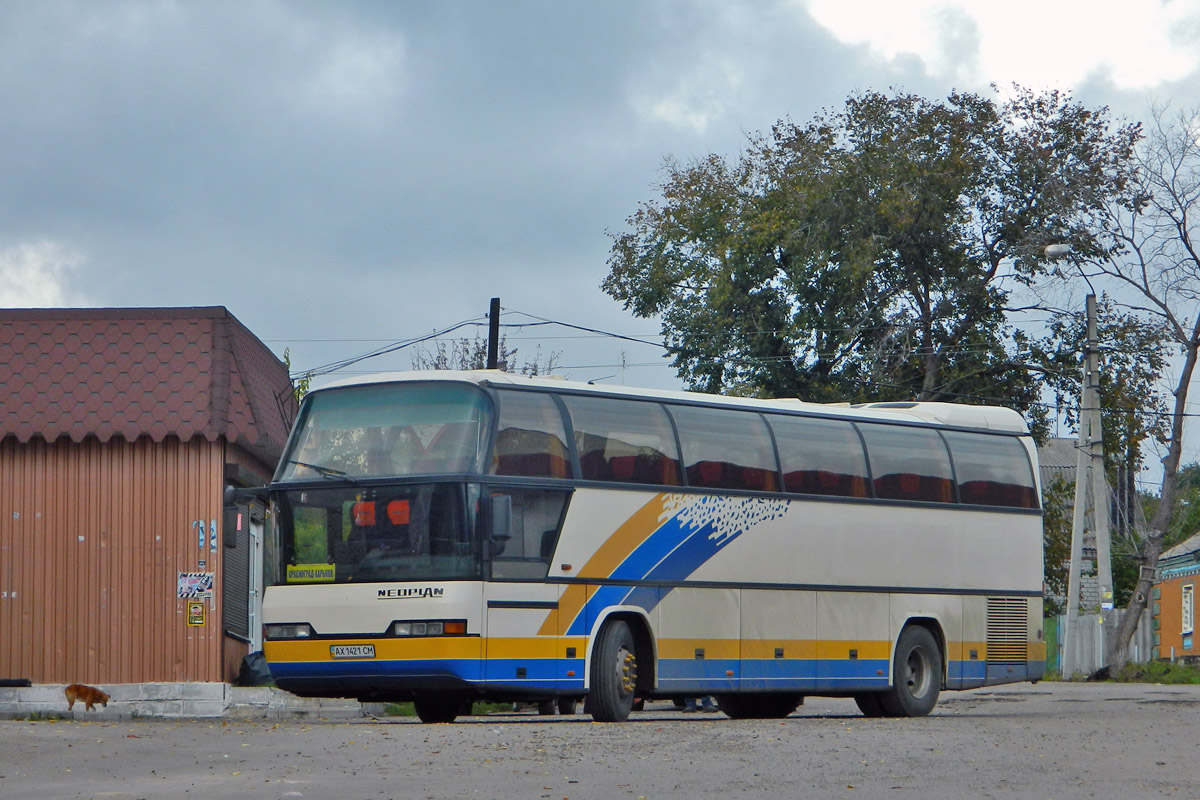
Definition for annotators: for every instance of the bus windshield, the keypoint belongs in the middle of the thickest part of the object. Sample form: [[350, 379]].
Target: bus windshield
[[345, 534], [388, 430]]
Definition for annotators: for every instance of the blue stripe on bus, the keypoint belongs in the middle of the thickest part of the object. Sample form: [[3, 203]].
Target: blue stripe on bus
[[499, 673], [467, 669], [683, 675]]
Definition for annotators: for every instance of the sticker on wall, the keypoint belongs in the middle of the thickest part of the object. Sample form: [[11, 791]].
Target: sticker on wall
[[195, 615], [196, 585]]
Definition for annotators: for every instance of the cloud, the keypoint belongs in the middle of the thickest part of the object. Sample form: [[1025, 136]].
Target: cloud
[[349, 71], [1134, 45], [696, 99], [40, 275]]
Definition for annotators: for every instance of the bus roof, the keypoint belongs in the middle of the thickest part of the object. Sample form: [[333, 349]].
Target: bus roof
[[995, 418]]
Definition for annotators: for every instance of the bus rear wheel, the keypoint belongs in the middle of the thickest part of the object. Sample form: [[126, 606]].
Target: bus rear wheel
[[916, 675], [434, 708], [758, 706], [614, 673]]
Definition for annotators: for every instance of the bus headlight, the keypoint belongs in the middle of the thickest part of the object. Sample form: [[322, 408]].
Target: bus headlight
[[300, 630], [453, 627]]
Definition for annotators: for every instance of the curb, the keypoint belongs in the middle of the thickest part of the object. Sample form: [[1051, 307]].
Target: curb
[[180, 701]]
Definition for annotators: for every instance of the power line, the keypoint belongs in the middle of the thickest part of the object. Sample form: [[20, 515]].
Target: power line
[[335, 366]]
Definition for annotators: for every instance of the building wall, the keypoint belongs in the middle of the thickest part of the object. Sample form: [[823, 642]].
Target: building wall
[[1168, 616], [93, 538]]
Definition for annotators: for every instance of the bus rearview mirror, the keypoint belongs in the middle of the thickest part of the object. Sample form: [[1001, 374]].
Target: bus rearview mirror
[[499, 517]]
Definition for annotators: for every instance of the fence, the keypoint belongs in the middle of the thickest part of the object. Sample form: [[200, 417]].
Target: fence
[[1092, 631]]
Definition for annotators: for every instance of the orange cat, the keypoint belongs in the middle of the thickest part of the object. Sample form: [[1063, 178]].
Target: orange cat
[[88, 694]]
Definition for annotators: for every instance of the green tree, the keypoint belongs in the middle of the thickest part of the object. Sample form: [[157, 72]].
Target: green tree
[[1057, 497], [870, 253], [1186, 520], [300, 384], [467, 354], [1133, 355], [1145, 247]]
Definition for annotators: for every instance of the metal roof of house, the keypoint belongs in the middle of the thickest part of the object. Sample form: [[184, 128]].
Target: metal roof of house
[[134, 372], [1185, 548], [1058, 458]]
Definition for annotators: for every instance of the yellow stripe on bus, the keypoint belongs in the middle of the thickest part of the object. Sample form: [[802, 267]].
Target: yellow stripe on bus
[[961, 651], [471, 647], [792, 649], [515, 647], [448, 647], [840, 649], [686, 648]]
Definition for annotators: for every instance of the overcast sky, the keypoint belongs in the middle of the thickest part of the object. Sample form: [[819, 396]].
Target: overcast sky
[[345, 175]]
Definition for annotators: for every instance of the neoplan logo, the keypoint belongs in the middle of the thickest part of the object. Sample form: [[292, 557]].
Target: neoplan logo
[[410, 593]]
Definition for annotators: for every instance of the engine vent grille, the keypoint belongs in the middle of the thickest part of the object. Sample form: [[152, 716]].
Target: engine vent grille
[[1007, 630]]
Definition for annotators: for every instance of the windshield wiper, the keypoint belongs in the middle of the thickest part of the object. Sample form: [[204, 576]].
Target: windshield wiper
[[326, 472]]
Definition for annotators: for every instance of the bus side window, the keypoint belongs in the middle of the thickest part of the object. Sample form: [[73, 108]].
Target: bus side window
[[531, 438], [908, 463], [992, 470], [726, 449], [623, 441], [820, 456]]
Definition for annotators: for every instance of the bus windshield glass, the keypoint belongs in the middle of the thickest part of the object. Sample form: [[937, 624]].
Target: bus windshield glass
[[388, 430], [414, 531]]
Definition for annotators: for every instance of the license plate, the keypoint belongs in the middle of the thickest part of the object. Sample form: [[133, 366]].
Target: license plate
[[352, 650]]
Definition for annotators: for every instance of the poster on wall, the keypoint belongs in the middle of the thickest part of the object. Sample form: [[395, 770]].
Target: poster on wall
[[195, 615], [196, 585]]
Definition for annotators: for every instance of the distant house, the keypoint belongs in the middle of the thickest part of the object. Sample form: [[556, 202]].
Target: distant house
[[1174, 602], [1058, 460], [119, 429]]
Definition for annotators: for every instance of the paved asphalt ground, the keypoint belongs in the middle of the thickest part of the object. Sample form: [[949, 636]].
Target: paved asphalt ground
[[1052, 740]]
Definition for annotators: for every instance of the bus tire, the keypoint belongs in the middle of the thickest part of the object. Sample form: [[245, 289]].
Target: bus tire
[[916, 675], [758, 706], [869, 704], [614, 673], [546, 708], [566, 705], [432, 708]]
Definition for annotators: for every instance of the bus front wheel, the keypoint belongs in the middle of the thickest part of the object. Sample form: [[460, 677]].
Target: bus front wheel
[[869, 704], [614, 673], [916, 675], [437, 709]]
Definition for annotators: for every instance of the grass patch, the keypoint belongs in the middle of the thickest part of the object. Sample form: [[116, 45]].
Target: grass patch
[[477, 709], [1158, 672]]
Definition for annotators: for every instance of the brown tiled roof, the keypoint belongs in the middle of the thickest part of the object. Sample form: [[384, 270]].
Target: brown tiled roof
[[131, 372]]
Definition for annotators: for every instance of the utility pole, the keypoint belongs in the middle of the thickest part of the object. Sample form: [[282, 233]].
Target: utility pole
[[493, 354], [1091, 493]]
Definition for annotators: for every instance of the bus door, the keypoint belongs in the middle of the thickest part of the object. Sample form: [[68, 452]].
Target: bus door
[[516, 653], [522, 607]]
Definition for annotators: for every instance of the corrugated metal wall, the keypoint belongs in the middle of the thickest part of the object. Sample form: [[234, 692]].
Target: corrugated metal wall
[[92, 540]]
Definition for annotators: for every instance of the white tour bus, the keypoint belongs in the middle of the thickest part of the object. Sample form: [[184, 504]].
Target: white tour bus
[[446, 537]]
